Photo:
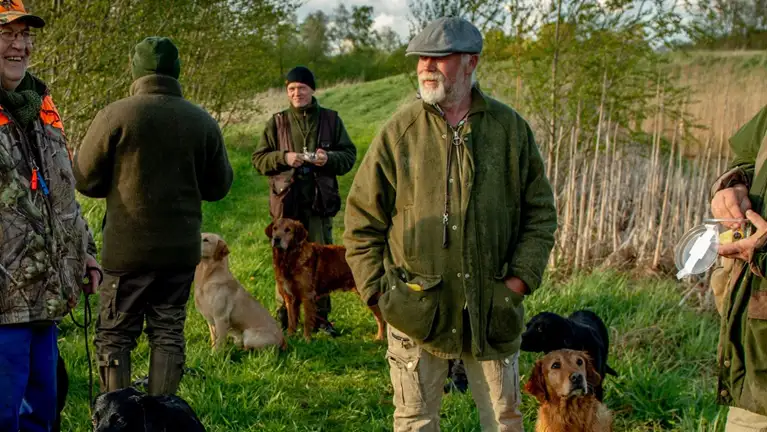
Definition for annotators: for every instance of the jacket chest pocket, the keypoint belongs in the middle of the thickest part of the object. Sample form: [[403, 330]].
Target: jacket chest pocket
[[422, 235]]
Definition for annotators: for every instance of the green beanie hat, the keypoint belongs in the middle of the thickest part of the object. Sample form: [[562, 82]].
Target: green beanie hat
[[155, 55]]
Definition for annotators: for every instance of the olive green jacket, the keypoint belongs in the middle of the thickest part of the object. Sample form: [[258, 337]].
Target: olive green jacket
[[154, 156], [501, 223], [742, 351]]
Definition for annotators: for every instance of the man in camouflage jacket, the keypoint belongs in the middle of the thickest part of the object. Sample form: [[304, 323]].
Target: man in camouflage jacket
[[45, 244]]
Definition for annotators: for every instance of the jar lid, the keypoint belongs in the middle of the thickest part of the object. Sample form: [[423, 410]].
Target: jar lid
[[696, 251]]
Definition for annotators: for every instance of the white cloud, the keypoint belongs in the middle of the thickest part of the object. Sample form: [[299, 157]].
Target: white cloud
[[397, 23], [383, 20]]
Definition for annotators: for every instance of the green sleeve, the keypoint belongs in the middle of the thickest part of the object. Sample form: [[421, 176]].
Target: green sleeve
[[745, 143], [267, 159], [538, 217], [342, 157], [367, 217], [218, 171], [93, 164]]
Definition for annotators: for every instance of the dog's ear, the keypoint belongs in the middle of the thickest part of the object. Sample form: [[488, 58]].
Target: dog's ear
[[301, 234], [593, 378], [221, 250], [268, 230], [537, 383]]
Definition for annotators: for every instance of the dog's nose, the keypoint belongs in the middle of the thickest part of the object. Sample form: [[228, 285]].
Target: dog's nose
[[577, 378]]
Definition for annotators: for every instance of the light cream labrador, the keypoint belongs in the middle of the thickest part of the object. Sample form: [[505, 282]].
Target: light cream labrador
[[227, 306]]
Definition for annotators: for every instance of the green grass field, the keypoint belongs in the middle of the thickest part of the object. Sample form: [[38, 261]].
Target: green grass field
[[664, 353]]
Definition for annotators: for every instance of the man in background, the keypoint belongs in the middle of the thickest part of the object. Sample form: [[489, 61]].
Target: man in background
[[302, 150]]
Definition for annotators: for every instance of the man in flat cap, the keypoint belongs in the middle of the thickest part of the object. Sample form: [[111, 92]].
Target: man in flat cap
[[449, 224], [302, 150], [155, 157]]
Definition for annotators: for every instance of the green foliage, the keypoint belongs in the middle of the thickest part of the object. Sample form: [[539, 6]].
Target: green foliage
[[485, 14], [229, 49], [339, 47], [568, 62], [726, 24], [84, 50]]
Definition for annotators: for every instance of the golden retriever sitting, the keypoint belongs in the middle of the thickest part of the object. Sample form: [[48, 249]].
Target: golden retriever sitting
[[305, 271], [563, 381], [227, 306]]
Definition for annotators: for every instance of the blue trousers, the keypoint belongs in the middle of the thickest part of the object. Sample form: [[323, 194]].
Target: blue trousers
[[28, 359]]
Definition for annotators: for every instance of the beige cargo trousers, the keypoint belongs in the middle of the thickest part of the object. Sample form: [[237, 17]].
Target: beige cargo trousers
[[418, 378], [740, 420]]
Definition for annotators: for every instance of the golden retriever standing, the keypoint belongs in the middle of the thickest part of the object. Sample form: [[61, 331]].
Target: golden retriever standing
[[563, 381], [306, 271], [226, 305]]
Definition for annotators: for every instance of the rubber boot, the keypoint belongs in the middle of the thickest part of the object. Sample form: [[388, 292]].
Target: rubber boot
[[114, 371], [165, 371]]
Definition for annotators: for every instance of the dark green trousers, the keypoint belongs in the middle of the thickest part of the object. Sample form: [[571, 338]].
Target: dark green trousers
[[127, 300]]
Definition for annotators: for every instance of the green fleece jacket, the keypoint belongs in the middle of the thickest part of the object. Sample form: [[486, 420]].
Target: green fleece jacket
[[269, 160], [742, 356], [154, 156], [501, 223]]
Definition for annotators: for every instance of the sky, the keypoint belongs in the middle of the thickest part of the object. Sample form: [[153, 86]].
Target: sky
[[387, 13]]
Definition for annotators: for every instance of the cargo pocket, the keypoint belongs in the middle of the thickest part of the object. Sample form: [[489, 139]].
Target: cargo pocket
[[754, 347], [510, 379], [505, 319], [282, 196], [411, 310], [403, 357], [327, 200], [108, 315], [723, 279]]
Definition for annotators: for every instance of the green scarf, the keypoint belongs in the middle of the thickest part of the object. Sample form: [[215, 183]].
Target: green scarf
[[25, 102]]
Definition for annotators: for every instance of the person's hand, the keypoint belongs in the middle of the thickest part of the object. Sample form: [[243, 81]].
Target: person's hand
[[93, 270], [517, 285], [321, 157], [731, 203], [745, 249], [293, 159]]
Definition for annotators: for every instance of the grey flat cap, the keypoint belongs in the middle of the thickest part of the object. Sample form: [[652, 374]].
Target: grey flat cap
[[445, 36]]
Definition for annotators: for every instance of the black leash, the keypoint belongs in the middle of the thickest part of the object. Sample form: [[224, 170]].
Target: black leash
[[87, 321]]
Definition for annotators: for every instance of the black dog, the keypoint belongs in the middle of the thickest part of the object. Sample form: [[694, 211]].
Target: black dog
[[129, 410], [62, 388], [583, 331]]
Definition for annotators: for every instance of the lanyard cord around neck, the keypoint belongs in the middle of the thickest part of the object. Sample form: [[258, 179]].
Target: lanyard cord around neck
[[304, 134], [456, 141]]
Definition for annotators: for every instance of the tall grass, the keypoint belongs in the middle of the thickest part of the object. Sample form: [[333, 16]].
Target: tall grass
[[626, 197]]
